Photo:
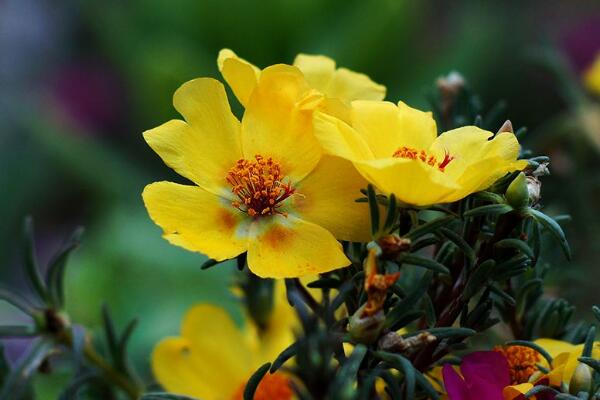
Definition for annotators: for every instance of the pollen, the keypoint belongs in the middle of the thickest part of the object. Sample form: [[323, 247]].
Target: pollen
[[522, 362], [422, 155], [259, 186], [272, 387]]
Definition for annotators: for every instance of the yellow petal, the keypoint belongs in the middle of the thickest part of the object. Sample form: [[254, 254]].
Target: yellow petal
[[412, 181], [555, 347], [478, 162], [386, 127], [290, 247], [278, 121], [565, 356], [317, 69], [327, 197], [339, 139], [349, 85], [210, 360], [196, 219], [239, 74], [210, 125], [514, 391]]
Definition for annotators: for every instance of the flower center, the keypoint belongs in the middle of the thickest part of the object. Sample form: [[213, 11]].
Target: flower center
[[259, 186], [429, 159], [272, 387], [521, 362]]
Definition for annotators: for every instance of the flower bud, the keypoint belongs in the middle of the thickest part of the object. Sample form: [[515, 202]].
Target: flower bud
[[392, 245], [517, 194], [366, 328], [581, 380]]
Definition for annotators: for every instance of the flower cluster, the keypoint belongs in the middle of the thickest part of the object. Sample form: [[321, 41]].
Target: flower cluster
[[382, 252]]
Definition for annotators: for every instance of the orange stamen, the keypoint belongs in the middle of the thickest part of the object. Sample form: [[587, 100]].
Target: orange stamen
[[521, 362], [259, 186], [429, 159]]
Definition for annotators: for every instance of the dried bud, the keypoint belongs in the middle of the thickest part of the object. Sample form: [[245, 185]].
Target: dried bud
[[395, 343], [581, 380], [534, 186], [392, 245], [376, 285], [451, 84], [364, 328], [506, 127], [517, 194]]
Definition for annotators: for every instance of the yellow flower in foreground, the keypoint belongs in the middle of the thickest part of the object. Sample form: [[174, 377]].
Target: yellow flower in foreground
[[591, 76], [338, 85], [565, 358], [262, 185], [213, 358], [397, 149]]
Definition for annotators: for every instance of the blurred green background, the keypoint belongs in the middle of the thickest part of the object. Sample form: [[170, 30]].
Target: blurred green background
[[81, 80]]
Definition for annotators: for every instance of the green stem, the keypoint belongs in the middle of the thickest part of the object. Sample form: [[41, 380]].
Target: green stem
[[109, 373]]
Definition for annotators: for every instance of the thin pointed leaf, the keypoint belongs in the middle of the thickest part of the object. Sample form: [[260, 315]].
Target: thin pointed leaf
[[17, 380], [391, 212], [589, 342], [516, 244], [343, 383], [57, 267], [17, 301], [490, 196], [285, 355], [429, 227], [17, 331], [254, 381], [596, 311], [31, 262], [374, 210], [110, 333], [71, 392], [460, 243], [490, 209], [209, 264], [403, 365], [425, 263], [554, 228]]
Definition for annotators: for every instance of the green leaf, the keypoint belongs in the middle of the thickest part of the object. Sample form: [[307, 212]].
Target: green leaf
[[429, 227], [533, 346], [209, 263], [17, 301], [165, 396], [57, 267], [71, 391], [31, 262], [17, 380], [405, 366], [490, 196], [391, 212], [589, 342], [374, 210], [254, 381], [17, 331], [554, 228], [285, 355], [342, 386], [539, 389], [508, 299], [110, 333], [523, 294], [460, 243], [406, 306], [516, 244], [490, 209], [596, 311], [425, 263], [479, 278]]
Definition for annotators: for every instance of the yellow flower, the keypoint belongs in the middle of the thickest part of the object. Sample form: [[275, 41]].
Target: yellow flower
[[591, 77], [262, 185], [213, 358], [397, 149], [320, 72], [565, 357]]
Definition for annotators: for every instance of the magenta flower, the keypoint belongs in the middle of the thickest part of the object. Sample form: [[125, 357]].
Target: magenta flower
[[485, 374]]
